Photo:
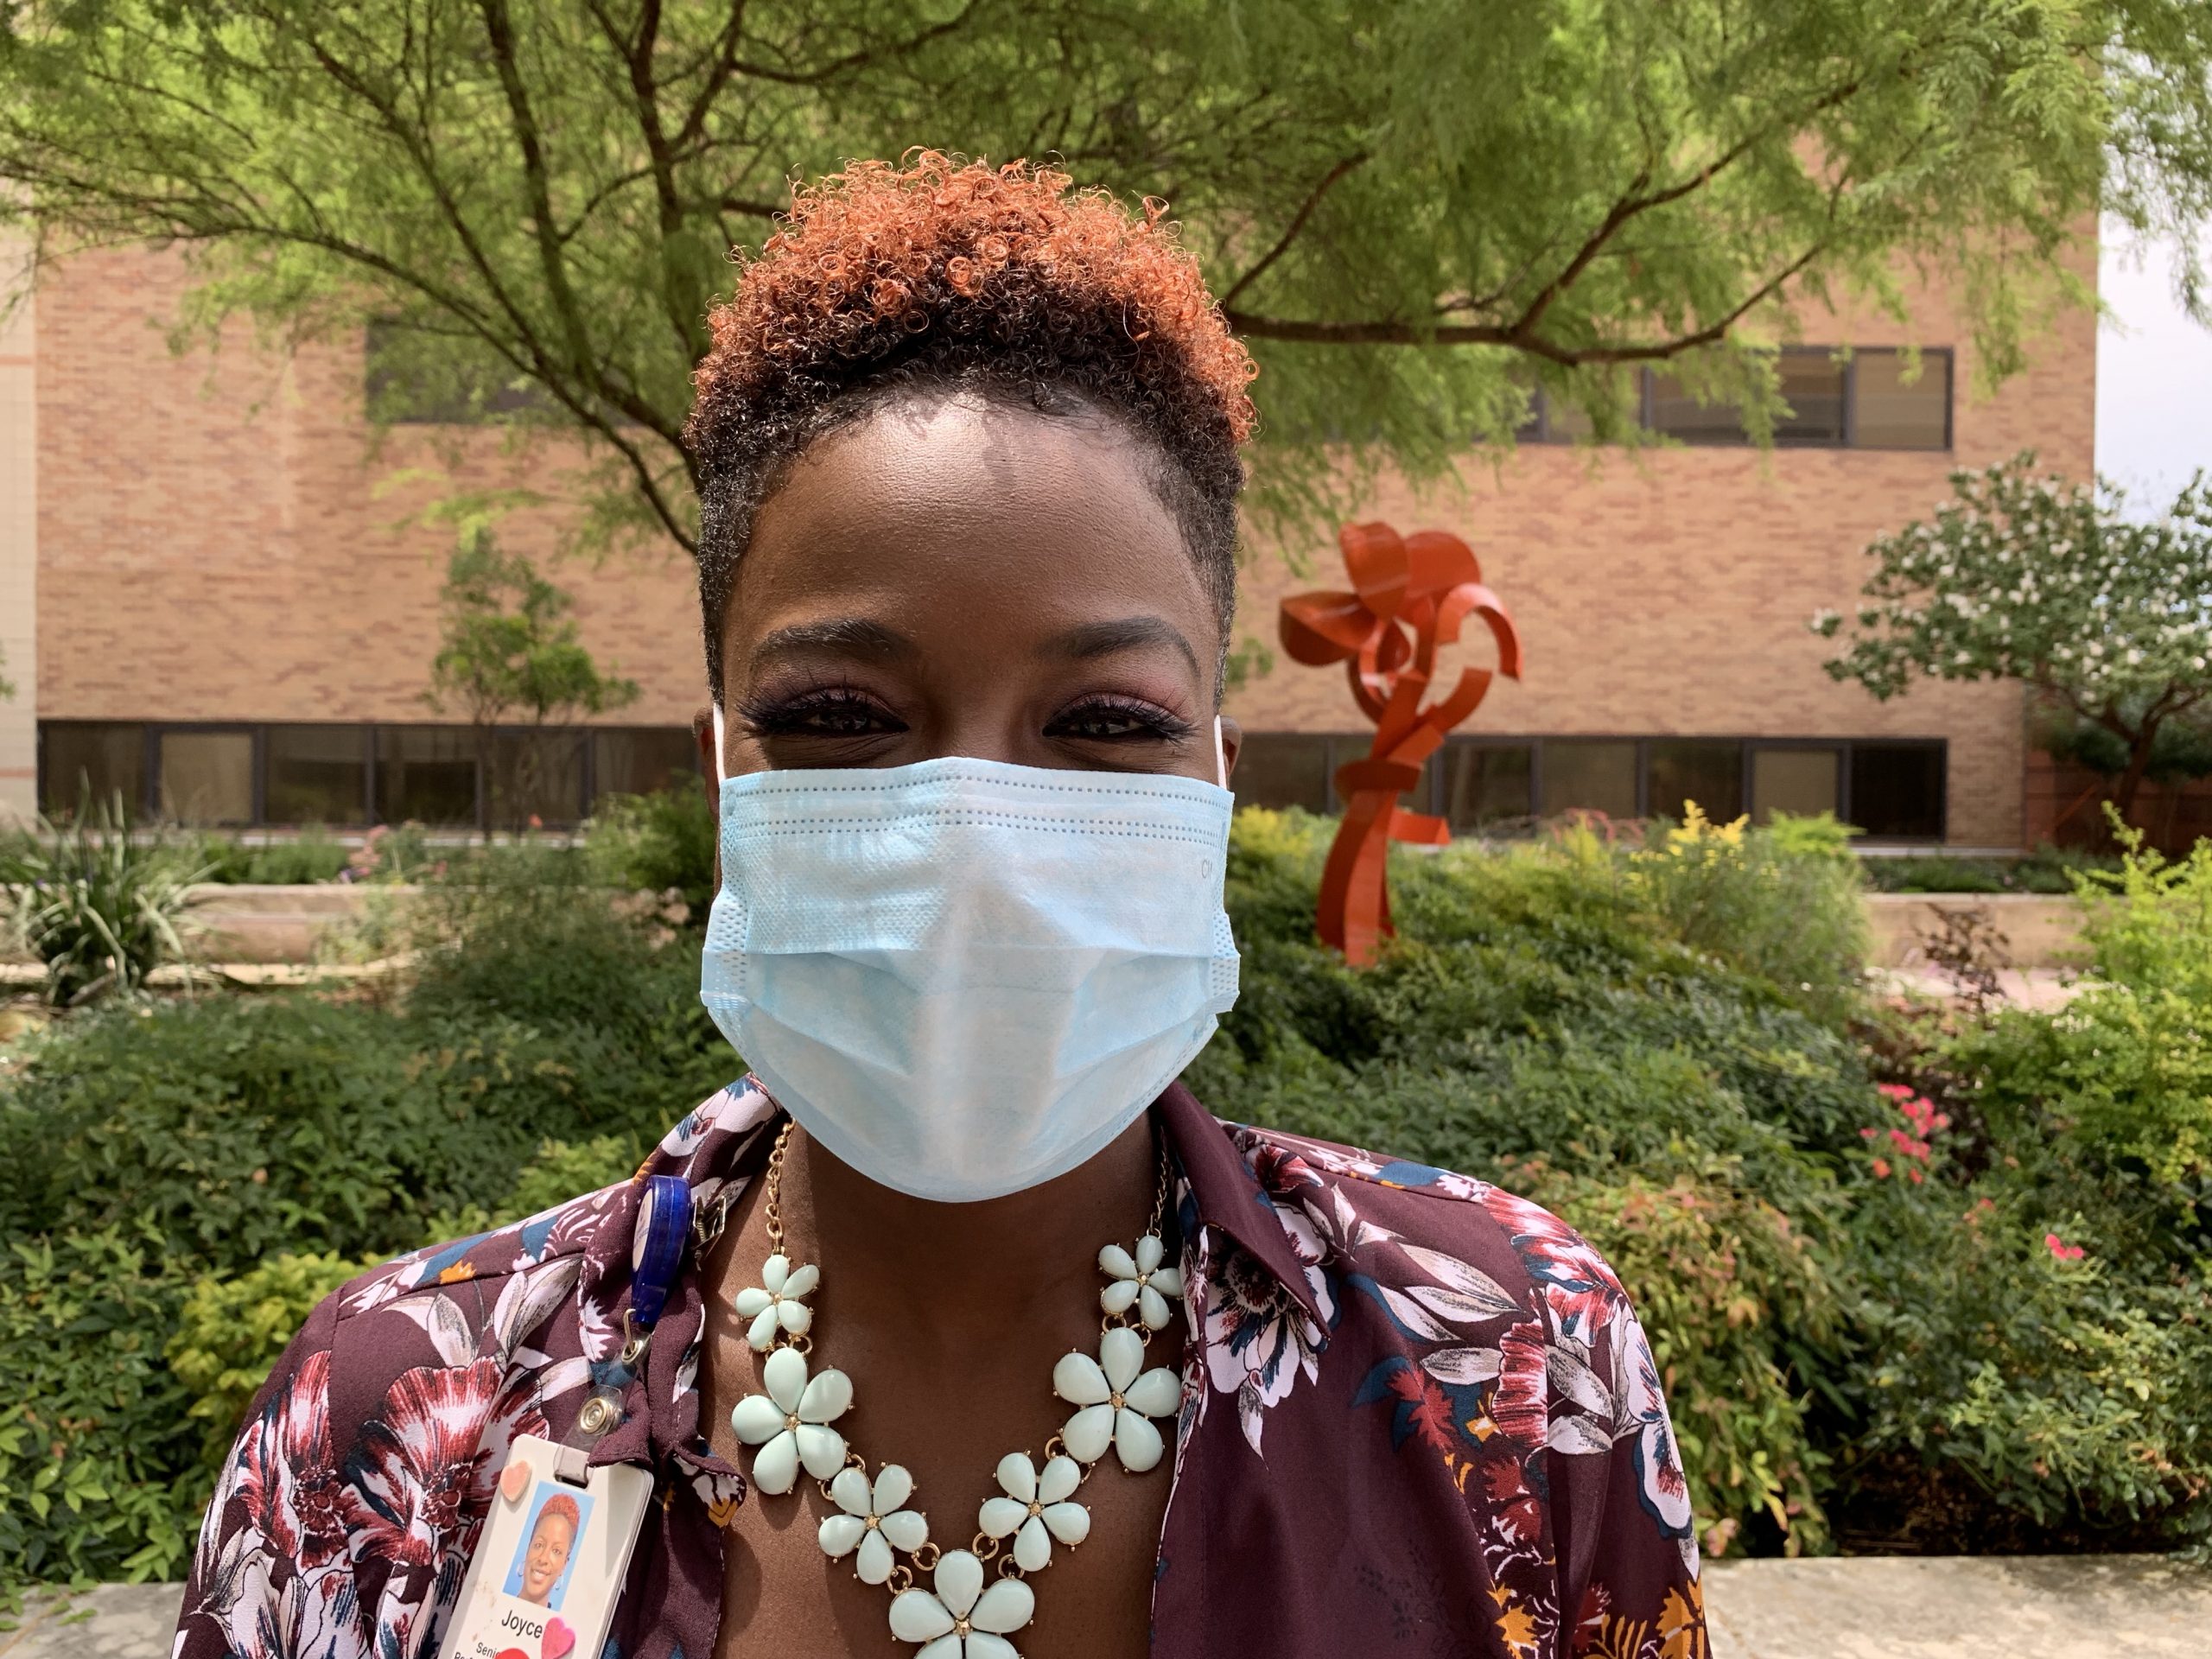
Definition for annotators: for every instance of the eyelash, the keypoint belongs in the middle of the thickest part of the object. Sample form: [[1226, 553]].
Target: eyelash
[[845, 711], [1152, 722], [799, 716]]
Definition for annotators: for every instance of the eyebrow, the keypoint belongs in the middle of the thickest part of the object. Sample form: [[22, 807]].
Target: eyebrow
[[844, 636], [1093, 640]]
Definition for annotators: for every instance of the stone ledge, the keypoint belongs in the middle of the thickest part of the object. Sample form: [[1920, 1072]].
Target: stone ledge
[[1836, 1607]]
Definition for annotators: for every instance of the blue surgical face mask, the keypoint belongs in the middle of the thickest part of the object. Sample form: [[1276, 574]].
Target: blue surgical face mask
[[961, 977]]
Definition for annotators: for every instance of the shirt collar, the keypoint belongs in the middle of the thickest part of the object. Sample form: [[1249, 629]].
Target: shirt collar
[[1229, 1195], [718, 1147]]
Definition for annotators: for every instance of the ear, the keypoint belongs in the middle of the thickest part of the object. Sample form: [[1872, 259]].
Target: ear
[[703, 740], [1232, 743]]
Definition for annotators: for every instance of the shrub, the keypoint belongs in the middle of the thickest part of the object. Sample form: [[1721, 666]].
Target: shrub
[[2021, 1356], [231, 1331], [96, 1451], [314, 855], [1537, 1022], [99, 905], [656, 843]]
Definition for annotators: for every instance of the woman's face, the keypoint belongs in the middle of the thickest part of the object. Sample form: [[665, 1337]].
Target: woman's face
[[549, 1553], [951, 577]]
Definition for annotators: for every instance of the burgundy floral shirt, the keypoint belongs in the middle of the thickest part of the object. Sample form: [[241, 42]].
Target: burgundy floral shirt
[[1418, 1415]]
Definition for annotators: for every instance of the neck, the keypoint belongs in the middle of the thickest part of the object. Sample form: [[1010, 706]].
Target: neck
[[889, 1249]]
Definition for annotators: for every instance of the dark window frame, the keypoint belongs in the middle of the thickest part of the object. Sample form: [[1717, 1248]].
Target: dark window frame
[[1538, 427], [1433, 798]]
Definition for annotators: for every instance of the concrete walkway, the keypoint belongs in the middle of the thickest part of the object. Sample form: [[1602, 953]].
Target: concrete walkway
[[1866, 1607]]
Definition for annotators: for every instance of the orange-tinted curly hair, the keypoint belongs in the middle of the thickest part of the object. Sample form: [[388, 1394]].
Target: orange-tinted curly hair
[[1005, 280]]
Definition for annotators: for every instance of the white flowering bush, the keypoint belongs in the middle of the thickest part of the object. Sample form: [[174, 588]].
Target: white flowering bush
[[2030, 577]]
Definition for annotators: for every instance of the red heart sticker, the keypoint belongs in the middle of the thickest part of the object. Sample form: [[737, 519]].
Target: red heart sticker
[[512, 1480], [512, 1653], [559, 1639]]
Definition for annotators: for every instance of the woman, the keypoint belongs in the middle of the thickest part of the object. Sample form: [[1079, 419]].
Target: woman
[[970, 450], [545, 1556]]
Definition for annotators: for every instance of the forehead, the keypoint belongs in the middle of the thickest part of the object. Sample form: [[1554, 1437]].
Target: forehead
[[1011, 516]]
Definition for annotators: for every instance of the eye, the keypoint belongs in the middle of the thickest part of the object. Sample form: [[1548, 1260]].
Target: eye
[[825, 711], [1108, 719]]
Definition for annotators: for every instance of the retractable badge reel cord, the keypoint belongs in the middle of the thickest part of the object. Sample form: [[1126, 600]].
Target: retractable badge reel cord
[[549, 1565]]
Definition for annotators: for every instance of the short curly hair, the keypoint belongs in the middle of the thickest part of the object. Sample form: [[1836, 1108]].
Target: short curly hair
[[1004, 281]]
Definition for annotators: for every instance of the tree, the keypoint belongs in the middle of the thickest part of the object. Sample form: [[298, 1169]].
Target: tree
[[507, 646], [541, 194], [2027, 577]]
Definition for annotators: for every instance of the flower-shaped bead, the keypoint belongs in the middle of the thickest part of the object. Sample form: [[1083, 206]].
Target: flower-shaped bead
[[1141, 1281], [876, 1520], [963, 1620], [1035, 1508], [778, 1302], [789, 1424], [1115, 1401]]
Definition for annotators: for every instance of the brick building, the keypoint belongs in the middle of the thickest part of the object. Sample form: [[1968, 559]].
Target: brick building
[[212, 600]]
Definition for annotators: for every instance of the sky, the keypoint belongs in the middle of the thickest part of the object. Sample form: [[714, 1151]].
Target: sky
[[2154, 379]]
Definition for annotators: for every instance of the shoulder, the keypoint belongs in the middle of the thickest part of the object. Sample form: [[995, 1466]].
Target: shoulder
[[1428, 1217], [1486, 1325], [372, 1449]]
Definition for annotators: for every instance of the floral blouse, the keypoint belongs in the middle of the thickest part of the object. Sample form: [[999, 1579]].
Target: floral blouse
[[1418, 1413]]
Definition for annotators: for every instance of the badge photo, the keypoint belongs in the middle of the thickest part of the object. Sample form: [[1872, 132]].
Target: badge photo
[[550, 1563]]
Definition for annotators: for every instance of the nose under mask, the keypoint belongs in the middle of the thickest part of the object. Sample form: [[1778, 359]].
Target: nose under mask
[[965, 977]]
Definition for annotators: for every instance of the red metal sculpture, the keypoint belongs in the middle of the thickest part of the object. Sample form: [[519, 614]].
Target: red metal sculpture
[[1410, 594]]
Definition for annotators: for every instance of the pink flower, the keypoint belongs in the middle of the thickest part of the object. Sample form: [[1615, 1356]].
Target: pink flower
[[2060, 1249], [289, 1474], [1520, 1405], [1894, 1090], [1882, 1168], [1866, 1134], [430, 1457]]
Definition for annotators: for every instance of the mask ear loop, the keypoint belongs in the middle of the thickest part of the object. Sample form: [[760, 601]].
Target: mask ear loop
[[720, 780], [1220, 755]]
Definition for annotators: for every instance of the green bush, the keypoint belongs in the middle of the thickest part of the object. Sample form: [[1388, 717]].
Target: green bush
[[663, 842], [231, 1331], [178, 1152], [1538, 1021], [2044, 1347], [98, 1478], [314, 855], [100, 905]]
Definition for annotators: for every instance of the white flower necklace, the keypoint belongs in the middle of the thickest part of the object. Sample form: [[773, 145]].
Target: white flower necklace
[[790, 1428]]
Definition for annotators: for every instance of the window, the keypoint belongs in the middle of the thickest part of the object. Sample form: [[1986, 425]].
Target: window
[[1812, 384], [536, 775], [86, 764], [1582, 775], [207, 778], [315, 774], [1888, 412], [1896, 789], [1487, 783], [1708, 771], [1801, 782], [426, 773], [639, 760], [1670, 410], [1281, 769], [417, 376], [1863, 403]]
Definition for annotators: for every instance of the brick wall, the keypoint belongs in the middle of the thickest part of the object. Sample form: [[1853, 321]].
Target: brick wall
[[213, 545], [18, 541], [1667, 592]]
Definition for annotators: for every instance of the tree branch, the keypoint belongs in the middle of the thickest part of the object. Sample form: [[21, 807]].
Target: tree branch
[[1290, 231]]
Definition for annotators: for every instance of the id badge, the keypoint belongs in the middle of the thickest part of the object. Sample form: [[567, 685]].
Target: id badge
[[550, 1563]]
